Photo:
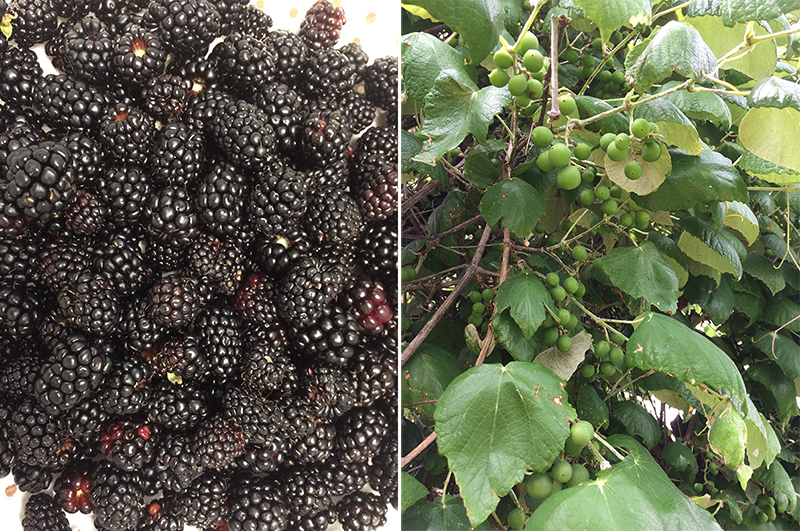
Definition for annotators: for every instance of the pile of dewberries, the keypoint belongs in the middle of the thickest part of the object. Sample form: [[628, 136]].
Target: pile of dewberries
[[197, 268]]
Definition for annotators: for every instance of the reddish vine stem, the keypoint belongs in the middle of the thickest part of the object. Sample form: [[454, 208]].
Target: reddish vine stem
[[558, 24], [432, 186], [489, 340], [418, 450], [448, 232], [451, 299]]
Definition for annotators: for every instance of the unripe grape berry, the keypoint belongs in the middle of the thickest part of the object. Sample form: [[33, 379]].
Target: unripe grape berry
[[581, 433], [604, 76], [606, 140], [616, 154], [474, 296], [544, 162], [616, 355], [487, 294], [588, 175], [498, 78], [626, 220], [579, 474], [615, 191], [538, 228], [608, 207], [569, 178], [548, 322], [642, 219], [552, 279], [570, 285], [560, 155], [542, 136], [517, 85], [573, 57], [597, 44], [607, 369], [533, 61], [527, 42], [579, 253], [618, 77], [407, 274], [640, 127], [602, 348], [762, 517], [522, 101], [588, 61], [516, 518], [582, 151], [478, 308], [566, 104], [535, 89], [587, 370], [503, 59], [562, 314], [475, 320], [539, 486], [550, 336], [581, 290], [633, 170], [622, 142], [587, 197], [561, 471], [651, 152], [558, 293], [564, 343], [602, 192]]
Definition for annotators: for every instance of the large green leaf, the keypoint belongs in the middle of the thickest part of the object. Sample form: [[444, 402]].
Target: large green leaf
[[672, 253], [699, 105], [589, 106], [610, 15], [410, 146], [728, 438], [758, 63], [779, 386], [478, 22], [783, 313], [768, 171], [425, 59], [496, 422], [426, 375], [733, 11], [738, 216], [706, 244], [677, 47], [638, 421], [510, 335], [675, 128], [666, 345], [517, 202], [783, 350], [446, 515], [774, 92], [643, 272], [455, 109], [527, 297], [634, 494], [760, 267], [591, 407], [716, 299], [774, 116], [697, 179], [479, 170], [411, 491]]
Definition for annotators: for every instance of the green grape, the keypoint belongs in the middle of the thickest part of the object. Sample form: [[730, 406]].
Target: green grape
[[538, 76], [566, 104], [616, 355], [487, 294], [698, 488], [616, 338], [588, 175], [562, 314], [651, 152], [609, 206], [558, 293], [602, 348], [551, 239], [579, 253], [552, 279], [582, 151], [587, 197], [539, 486], [498, 78], [615, 191], [569, 178], [560, 155], [763, 500], [606, 140], [535, 89], [407, 274], [503, 59], [640, 127], [633, 170], [573, 57], [581, 290], [478, 308], [541, 136], [579, 474], [642, 219], [538, 228], [550, 336], [544, 163], [581, 433], [587, 371], [618, 77], [561, 471], [516, 518], [622, 142], [615, 153], [522, 101], [573, 322], [474, 296], [602, 192], [527, 42], [607, 369], [564, 343], [626, 220], [518, 84], [588, 61], [597, 44], [762, 517], [604, 76], [548, 322], [570, 285], [533, 61], [475, 320], [405, 323]]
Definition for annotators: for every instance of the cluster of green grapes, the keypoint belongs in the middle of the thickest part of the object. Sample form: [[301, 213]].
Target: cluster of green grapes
[[479, 302], [608, 83], [521, 69], [557, 326], [557, 155], [645, 144], [607, 355], [562, 473]]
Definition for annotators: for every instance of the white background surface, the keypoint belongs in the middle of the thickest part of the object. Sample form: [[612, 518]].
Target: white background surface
[[376, 25]]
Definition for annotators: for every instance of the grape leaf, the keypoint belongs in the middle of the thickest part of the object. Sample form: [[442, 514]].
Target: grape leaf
[[517, 202], [496, 422], [425, 375], [589, 106], [455, 109], [638, 421], [699, 105], [762, 443], [510, 336], [779, 386], [676, 47], [758, 266], [426, 59], [757, 63], [705, 244], [411, 146], [633, 494], [768, 171], [783, 313], [675, 128], [643, 272], [774, 116], [610, 15], [666, 345], [783, 350], [653, 173], [672, 253], [728, 438], [525, 294], [716, 299], [479, 170], [591, 407], [478, 22], [738, 216], [733, 11], [446, 515], [564, 364], [776, 93], [411, 491]]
